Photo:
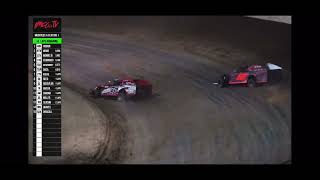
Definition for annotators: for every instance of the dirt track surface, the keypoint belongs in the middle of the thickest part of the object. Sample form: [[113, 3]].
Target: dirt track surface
[[188, 120], [83, 131]]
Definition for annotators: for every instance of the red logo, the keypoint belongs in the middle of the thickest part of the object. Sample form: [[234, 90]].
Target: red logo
[[46, 24]]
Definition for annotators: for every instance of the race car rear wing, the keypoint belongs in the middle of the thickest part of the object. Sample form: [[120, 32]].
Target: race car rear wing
[[274, 73], [273, 67]]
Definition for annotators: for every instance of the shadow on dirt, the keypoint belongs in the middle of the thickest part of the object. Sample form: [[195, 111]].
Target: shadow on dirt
[[246, 86], [134, 98], [146, 98]]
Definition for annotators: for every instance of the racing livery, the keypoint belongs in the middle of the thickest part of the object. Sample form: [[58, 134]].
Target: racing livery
[[123, 89], [251, 75]]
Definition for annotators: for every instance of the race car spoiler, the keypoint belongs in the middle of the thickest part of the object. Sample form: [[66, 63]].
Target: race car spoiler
[[274, 73], [273, 67]]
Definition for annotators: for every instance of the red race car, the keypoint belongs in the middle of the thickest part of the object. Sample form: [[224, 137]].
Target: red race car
[[251, 75], [123, 89]]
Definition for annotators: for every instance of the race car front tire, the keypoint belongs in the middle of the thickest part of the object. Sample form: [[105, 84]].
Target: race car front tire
[[223, 82], [95, 93], [122, 96], [220, 84]]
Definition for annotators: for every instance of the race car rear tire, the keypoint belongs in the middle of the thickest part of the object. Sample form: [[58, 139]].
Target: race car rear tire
[[144, 91], [251, 82], [147, 91]]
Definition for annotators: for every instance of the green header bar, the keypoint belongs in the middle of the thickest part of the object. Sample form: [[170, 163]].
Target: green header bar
[[47, 40]]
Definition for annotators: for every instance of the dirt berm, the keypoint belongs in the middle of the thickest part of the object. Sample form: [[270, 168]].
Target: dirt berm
[[85, 133]]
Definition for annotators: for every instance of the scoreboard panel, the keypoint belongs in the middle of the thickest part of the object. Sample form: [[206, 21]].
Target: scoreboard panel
[[47, 42]]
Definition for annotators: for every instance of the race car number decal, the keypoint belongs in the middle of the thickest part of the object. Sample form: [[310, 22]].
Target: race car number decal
[[110, 91], [242, 76]]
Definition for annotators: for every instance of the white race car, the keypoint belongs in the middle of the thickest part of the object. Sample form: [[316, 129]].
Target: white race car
[[123, 89]]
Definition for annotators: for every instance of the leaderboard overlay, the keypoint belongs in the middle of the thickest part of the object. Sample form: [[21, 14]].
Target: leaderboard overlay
[[47, 42]]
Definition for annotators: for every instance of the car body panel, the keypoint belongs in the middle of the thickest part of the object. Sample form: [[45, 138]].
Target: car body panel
[[238, 78], [128, 85], [242, 74]]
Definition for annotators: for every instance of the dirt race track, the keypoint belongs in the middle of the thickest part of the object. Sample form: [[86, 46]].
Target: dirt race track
[[188, 120]]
